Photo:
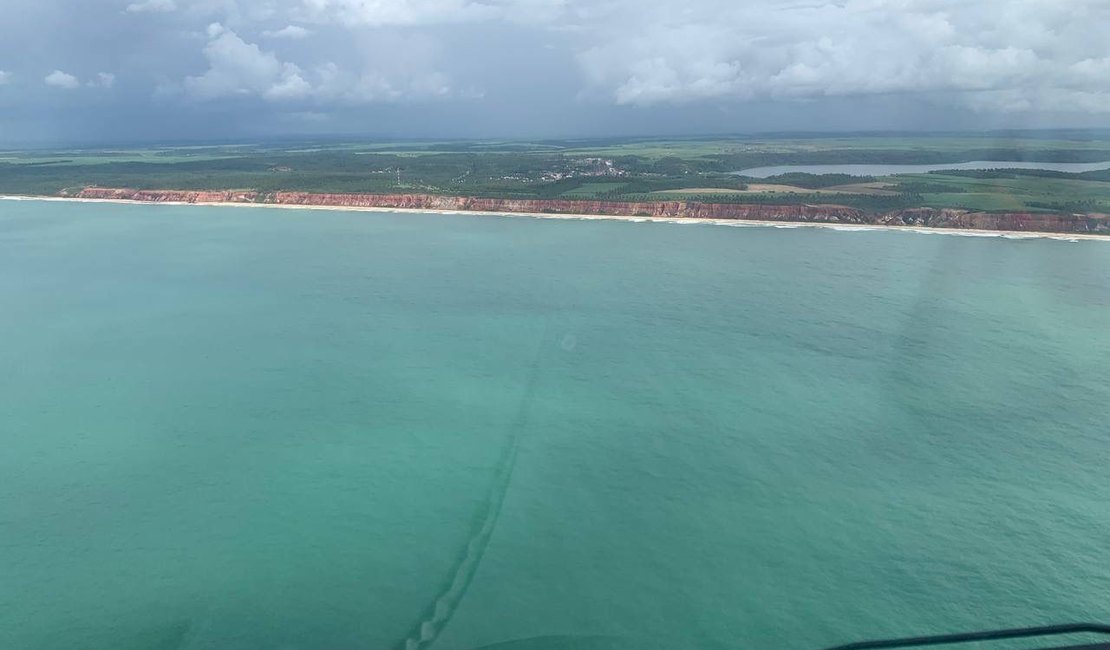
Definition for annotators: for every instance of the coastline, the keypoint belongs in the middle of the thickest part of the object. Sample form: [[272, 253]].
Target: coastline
[[965, 232]]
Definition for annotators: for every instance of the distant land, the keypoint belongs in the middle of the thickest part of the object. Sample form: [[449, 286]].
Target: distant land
[[1063, 185]]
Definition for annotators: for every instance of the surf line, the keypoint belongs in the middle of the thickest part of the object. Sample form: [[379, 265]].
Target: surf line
[[437, 615]]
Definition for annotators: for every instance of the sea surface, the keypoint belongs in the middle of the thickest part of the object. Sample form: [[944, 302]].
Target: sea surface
[[890, 170], [237, 429]]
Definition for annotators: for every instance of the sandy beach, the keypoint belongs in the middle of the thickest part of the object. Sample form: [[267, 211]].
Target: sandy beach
[[965, 232]]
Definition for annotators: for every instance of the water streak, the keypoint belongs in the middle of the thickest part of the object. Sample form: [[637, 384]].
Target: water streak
[[436, 615]]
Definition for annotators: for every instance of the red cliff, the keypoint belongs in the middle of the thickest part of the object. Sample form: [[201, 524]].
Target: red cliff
[[923, 217], [169, 196]]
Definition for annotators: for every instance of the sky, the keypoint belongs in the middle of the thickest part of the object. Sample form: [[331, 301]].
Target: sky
[[182, 70]]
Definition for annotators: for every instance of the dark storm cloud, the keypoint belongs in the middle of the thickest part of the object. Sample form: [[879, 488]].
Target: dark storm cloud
[[181, 69]]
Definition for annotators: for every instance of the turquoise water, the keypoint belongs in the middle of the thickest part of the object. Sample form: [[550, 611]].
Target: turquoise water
[[230, 428], [890, 170]]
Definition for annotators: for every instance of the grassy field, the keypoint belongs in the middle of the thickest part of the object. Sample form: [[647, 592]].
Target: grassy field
[[699, 169], [592, 190]]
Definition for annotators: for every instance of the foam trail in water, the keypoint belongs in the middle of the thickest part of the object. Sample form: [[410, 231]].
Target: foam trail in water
[[436, 616]]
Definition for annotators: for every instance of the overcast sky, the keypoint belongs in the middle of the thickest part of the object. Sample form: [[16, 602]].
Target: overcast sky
[[103, 70]]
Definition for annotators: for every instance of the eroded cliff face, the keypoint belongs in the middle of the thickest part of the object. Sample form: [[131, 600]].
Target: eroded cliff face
[[169, 196], [559, 206], [921, 217]]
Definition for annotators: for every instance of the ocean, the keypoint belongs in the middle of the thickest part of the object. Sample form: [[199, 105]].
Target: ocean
[[229, 428]]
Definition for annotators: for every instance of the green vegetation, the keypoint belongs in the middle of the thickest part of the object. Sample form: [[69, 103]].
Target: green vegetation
[[691, 169], [593, 190], [817, 181]]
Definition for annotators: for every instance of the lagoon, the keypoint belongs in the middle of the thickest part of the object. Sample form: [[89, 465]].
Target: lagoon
[[891, 170]]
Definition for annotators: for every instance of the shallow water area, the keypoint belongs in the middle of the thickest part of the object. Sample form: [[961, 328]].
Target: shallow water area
[[229, 428]]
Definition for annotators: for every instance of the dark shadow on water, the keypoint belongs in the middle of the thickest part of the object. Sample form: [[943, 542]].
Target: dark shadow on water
[[572, 642], [169, 636]]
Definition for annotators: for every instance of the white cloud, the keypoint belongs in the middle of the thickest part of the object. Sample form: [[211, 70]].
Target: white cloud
[[1022, 58], [103, 80], [651, 52], [239, 68], [291, 85], [152, 6], [391, 12], [1036, 55], [289, 31], [377, 13], [60, 79], [5, 77]]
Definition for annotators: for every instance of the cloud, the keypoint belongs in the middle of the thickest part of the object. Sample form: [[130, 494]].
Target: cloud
[[239, 68], [152, 6], [60, 79], [5, 77], [565, 66], [382, 13], [397, 12], [103, 80], [657, 52], [1020, 59], [374, 86], [289, 31]]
